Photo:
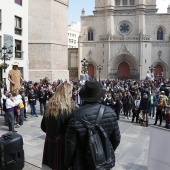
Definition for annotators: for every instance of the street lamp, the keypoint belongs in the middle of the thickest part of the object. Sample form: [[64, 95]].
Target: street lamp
[[99, 68], [84, 64], [5, 54]]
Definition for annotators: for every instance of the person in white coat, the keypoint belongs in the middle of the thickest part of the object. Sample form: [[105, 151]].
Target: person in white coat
[[10, 104]]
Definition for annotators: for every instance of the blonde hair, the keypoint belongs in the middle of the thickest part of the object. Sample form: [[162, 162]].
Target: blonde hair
[[60, 100]]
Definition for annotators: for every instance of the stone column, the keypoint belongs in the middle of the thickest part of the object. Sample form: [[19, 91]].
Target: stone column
[[108, 60], [141, 56], [80, 45], [109, 21], [140, 16]]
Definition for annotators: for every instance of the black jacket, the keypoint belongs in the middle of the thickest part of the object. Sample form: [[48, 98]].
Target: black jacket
[[42, 95], [32, 99], [55, 127], [76, 138], [145, 104]]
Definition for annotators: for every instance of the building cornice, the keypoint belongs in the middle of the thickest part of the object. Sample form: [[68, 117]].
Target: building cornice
[[62, 2], [109, 37]]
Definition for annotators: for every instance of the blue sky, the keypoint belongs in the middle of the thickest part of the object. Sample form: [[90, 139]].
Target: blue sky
[[75, 7]]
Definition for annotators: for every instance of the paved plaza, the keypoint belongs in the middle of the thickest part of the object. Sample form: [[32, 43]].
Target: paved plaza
[[132, 153]]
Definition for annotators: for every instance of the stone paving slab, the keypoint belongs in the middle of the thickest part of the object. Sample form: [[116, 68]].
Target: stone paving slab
[[131, 154]]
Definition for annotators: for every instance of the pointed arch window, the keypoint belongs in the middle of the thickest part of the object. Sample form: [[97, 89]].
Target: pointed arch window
[[90, 35], [160, 34]]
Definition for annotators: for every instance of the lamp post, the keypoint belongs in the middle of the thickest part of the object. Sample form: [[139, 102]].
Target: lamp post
[[99, 68], [5, 54], [84, 64]]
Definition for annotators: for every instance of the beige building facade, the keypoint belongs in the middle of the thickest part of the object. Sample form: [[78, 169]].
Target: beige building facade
[[48, 35], [126, 37]]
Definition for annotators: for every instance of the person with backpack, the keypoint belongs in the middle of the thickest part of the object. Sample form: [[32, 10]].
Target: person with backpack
[[92, 134], [160, 108]]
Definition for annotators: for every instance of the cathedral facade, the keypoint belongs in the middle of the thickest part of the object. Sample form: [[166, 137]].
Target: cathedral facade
[[126, 37]]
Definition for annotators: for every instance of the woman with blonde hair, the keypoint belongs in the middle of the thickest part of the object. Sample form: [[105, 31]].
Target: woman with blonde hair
[[54, 124]]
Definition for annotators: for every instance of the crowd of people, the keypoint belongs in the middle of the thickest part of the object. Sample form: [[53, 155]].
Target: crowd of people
[[64, 104], [15, 104], [137, 100]]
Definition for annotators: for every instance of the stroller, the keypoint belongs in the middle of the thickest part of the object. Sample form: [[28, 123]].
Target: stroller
[[143, 118]]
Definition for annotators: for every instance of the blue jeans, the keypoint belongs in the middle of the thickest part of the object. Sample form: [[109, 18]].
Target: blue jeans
[[152, 111], [33, 110]]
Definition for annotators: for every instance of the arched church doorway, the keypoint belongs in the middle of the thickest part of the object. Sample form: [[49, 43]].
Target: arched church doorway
[[123, 71], [158, 70], [90, 70]]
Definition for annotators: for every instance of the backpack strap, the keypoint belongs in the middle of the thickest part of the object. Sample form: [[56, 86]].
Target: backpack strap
[[98, 120], [100, 114]]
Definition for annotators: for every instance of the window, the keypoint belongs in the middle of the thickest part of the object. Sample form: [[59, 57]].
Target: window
[[74, 41], [117, 2], [160, 34], [18, 49], [18, 2], [124, 28], [0, 20], [132, 2], [124, 2], [18, 25], [90, 35]]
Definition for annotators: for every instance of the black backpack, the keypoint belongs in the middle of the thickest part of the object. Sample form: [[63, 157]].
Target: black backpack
[[99, 147]]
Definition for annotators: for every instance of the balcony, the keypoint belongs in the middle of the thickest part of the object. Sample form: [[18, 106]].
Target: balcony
[[18, 54], [18, 31]]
